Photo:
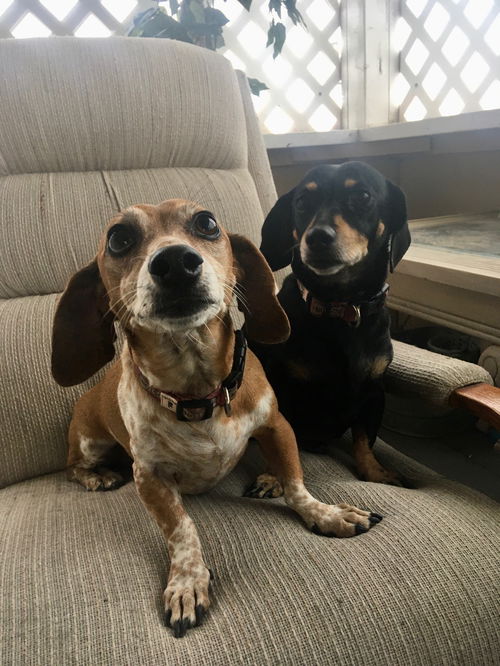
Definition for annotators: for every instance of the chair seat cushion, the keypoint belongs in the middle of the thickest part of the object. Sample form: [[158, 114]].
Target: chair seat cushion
[[82, 575]]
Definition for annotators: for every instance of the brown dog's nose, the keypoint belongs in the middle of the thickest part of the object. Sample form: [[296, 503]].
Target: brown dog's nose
[[320, 237], [175, 263]]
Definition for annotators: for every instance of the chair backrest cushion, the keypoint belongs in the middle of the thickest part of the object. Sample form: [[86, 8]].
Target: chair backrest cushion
[[88, 127]]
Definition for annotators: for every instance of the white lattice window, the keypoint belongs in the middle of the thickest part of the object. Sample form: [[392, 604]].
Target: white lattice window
[[82, 18], [449, 57], [361, 63], [305, 92]]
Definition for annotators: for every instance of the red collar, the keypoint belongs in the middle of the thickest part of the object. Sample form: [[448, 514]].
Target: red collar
[[348, 312], [190, 408]]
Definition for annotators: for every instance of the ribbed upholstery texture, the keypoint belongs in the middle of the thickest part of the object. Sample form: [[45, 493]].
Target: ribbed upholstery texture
[[185, 109], [89, 127], [97, 104], [431, 376], [82, 576], [51, 223]]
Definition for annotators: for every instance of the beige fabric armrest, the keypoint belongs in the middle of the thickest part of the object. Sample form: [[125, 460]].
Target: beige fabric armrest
[[431, 376]]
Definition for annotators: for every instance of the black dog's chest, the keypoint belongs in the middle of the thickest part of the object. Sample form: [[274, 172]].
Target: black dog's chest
[[324, 372], [332, 357], [330, 348]]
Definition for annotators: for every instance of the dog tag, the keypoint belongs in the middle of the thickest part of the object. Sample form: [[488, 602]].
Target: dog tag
[[227, 402]]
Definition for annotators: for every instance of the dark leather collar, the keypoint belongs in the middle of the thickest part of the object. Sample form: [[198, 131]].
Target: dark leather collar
[[189, 408], [350, 312]]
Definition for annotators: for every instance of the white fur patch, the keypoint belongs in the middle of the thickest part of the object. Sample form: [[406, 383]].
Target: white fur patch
[[197, 455]]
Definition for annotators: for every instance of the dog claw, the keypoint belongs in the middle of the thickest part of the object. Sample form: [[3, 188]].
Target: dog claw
[[375, 518], [166, 618], [200, 612], [359, 529], [180, 627]]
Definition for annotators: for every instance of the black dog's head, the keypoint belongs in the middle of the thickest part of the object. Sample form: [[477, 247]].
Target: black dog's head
[[338, 219]]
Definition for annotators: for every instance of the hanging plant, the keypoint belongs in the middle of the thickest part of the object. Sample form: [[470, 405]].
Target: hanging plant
[[196, 22]]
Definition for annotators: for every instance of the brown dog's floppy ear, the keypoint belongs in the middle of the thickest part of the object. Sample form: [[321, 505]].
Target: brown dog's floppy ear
[[83, 333], [397, 220], [265, 319], [277, 233]]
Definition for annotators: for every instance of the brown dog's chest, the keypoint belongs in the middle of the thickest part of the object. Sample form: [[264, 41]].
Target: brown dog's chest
[[197, 455]]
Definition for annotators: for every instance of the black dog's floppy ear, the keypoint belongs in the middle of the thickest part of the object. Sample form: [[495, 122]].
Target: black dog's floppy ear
[[397, 220], [83, 333], [277, 233], [265, 319]]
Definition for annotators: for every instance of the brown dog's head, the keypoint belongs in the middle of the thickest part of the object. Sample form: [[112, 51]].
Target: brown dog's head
[[167, 269], [336, 217]]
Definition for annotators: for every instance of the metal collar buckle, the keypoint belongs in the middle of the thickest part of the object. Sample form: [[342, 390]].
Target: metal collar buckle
[[188, 410], [203, 408], [357, 316]]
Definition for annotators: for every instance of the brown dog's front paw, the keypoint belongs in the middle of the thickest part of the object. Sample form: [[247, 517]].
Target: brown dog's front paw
[[186, 599], [342, 520], [264, 487]]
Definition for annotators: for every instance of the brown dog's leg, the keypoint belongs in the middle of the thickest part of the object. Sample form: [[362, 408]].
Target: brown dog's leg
[[87, 455], [186, 595], [369, 469], [280, 450]]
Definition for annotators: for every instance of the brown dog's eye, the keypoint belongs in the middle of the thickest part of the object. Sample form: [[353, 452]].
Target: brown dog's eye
[[205, 225], [120, 239]]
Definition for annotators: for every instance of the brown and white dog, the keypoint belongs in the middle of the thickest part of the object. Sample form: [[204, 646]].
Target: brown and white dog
[[180, 400]]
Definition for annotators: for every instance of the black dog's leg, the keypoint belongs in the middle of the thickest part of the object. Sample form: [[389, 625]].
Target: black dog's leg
[[364, 434]]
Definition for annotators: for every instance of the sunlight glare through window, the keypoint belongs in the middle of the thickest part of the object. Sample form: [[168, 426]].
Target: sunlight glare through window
[[415, 111], [59, 9], [278, 121], [92, 27], [452, 104], [30, 26], [434, 81]]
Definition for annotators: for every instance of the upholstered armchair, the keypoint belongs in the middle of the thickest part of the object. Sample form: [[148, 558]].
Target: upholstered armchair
[[88, 127]]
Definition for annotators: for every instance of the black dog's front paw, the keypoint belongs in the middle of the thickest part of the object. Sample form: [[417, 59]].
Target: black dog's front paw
[[265, 486]]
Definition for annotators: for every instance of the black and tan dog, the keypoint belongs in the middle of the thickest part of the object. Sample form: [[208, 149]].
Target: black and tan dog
[[341, 229]]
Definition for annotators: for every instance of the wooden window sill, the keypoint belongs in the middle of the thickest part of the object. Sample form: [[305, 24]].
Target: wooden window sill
[[453, 279]]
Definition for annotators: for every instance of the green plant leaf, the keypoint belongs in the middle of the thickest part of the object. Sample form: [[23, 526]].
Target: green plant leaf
[[246, 4], [215, 17], [197, 11], [256, 86], [157, 23], [276, 36], [275, 5], [294, 13]]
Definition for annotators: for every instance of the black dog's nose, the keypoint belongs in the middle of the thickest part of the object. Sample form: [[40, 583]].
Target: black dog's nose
[[320, 237], [174, 263]]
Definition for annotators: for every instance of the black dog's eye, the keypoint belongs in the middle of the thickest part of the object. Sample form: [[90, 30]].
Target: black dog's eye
[[120, 239], [301, 204], [205, 225], [359, 198]]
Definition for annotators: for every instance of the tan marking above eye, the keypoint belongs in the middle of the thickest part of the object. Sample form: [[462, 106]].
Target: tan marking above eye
[[312, 186], [380, 228], [350, 182]]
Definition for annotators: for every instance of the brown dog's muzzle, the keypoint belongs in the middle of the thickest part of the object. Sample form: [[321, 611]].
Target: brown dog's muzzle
[[174, 265]]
